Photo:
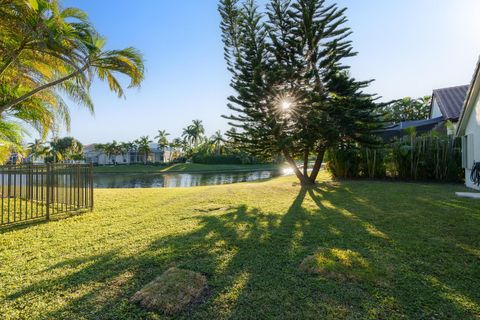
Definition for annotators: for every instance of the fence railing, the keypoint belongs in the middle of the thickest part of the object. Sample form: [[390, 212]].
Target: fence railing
[[31, 192]]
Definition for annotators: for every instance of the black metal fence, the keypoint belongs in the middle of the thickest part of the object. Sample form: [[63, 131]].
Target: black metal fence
[[40, 191]]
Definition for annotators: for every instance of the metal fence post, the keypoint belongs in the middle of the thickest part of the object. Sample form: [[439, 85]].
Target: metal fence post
[[48, 182], [91, 186]]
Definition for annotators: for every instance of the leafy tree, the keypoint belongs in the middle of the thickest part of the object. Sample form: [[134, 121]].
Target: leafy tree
[[162, 138], [217, 142], [294, 95], [66, 148], [143, 146], [46, 51], [194, 133], [126, 147], [37, 148], [408, 109]]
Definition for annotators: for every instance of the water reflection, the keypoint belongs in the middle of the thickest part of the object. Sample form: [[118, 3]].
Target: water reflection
[[176, 180]]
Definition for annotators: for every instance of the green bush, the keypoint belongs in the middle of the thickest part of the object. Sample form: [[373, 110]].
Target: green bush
[[223, 159], [426, 157]]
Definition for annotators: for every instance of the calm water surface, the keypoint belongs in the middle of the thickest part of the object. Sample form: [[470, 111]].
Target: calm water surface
[[176, 180]]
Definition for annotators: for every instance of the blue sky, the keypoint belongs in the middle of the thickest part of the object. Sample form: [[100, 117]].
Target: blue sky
[[409, 46]]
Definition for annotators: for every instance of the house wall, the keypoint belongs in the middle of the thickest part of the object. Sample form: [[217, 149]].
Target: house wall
[[473, 128], [435, 110]]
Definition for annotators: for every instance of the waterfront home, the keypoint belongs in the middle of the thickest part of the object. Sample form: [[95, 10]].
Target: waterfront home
[[99, 157]]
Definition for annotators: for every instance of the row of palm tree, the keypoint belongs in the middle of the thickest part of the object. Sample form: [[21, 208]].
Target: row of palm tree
[[113, 149], [48, 52], [193, 140]]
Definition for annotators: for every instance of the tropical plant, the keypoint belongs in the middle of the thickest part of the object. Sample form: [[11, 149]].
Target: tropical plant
[[46, 51], [408, 109], [37, 148], [194, 133], [66, 148], [162, 139], [218, 143], [143, 147], [293, 94], [125, 148]]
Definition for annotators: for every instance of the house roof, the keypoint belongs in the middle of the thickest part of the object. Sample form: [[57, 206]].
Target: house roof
[[468, 106], [398, 129], [450, 101]]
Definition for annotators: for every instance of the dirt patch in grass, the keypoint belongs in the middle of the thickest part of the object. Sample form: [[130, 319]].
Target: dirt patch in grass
[[175, 291], [337, 264]]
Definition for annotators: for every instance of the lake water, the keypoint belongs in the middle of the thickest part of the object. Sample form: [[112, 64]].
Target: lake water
[[176, 180]]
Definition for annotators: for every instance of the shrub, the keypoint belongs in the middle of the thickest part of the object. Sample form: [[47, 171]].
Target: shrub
[[237, 158], [426, 157]]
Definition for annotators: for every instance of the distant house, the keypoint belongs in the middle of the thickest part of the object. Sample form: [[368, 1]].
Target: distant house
[[156, 155], [15, 158], [33, 159], [447, 103], [469, 128]]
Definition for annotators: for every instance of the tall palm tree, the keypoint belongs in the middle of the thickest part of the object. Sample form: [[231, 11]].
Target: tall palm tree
[[37, 148], [143, 146], [193, 134], [162, 138], [112, 149], [217, 142], [47, 50], [125, 148]]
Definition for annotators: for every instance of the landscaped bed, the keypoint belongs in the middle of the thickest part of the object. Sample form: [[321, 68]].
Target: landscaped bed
[[268, 250]]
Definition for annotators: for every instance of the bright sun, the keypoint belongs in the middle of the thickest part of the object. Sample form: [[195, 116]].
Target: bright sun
[[286, 105]]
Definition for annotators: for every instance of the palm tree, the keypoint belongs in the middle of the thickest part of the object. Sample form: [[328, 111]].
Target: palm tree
[[162, 139], [37, 148], [46, 51], [143, 146], [125, 148], [193, 134], [112, 149], [217, 142]]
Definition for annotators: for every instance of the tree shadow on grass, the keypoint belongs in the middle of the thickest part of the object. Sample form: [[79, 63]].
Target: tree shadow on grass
[[251, 259]]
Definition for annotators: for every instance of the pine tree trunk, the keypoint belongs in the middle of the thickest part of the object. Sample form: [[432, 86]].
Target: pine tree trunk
[[317, 165], [305, 162], [304, 181]]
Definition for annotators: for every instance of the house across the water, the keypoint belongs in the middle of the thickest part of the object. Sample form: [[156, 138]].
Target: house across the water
[[156, 155], [469, 130]]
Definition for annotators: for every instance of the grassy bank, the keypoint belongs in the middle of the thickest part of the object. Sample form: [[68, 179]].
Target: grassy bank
[[184, 167], [390, 251]]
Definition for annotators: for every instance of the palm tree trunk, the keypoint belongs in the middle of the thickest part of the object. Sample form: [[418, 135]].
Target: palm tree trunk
[[41, 88]]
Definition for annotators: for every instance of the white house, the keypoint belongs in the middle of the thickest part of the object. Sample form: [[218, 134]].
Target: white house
[[469, 128], [156, 155]]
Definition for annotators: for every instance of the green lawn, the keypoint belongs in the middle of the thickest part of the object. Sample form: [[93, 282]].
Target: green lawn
[[403, 250], [184, 167]]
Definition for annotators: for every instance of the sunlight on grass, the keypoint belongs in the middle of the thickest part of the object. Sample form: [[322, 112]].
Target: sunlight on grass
[[338, 264], [249, 240], [229, 297], [450, 294]]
